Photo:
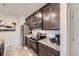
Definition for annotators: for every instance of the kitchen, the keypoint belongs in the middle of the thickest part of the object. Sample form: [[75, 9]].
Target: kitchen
[[44, 31], [39, 32]]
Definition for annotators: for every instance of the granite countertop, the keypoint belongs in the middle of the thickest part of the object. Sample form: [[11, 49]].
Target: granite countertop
[[29, 35], [1, 41], [47, 42]]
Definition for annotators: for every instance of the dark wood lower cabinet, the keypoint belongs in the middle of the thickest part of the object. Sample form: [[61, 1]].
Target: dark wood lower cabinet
[[27, 42], [41, 49], [49, 53], [33, 45], [0, 53], [44, 50]]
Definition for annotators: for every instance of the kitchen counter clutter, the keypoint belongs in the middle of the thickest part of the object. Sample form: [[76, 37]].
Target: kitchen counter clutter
[[47, 42], [31, 36]]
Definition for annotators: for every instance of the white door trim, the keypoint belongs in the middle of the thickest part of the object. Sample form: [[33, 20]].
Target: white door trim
[[71, 30]]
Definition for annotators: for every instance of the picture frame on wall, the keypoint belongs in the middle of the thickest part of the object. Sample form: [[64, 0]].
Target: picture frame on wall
[[4, 27]]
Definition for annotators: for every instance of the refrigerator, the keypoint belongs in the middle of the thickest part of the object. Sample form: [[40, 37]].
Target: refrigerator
[[24, 31]]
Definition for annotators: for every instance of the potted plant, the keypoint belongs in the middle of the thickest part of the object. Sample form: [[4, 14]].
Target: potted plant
[[14, 24]]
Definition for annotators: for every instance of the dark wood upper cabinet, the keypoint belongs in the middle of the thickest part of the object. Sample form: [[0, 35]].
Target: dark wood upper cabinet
[[31, 22], [35, 20], [27, 21], [51, 17], [46, 17], [55, 16], [37, 24]]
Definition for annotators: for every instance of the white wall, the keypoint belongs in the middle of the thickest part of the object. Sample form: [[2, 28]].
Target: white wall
[[10, 37], [73, 19], [63, 29]]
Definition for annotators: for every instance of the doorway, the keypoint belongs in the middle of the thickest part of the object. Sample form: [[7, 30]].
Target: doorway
[[73, 22]]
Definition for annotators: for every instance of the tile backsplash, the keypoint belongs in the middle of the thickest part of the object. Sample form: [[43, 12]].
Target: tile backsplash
[[50, 33]]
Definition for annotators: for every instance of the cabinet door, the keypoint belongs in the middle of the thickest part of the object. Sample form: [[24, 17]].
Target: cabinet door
[[55, 16], [31, 22], [27, 21], [27, 42], [37, 24], [44, 50], [41, 51], [46, 17]]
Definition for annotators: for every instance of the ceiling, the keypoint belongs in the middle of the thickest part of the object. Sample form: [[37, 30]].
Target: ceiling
[[20, 9]]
